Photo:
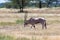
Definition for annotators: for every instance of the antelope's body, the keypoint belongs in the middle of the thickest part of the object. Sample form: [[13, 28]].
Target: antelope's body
[[34, 21]]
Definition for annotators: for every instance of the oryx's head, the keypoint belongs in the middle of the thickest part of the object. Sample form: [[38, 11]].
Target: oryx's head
[[25, 23]]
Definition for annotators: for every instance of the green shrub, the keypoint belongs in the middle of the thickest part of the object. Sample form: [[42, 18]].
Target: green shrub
[[7, 23], [19, 21], [8, 37], [23, 38], [5, 37]]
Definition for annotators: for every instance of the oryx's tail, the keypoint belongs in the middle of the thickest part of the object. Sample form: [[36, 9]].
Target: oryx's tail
[[45, 25]]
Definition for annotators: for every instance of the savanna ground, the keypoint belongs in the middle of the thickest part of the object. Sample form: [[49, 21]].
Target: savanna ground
[[11, 24]]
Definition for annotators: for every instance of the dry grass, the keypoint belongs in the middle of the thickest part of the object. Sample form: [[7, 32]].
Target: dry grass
[[32, 10], [51, 33]]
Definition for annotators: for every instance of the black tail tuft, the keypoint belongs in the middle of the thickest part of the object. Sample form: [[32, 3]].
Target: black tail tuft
[[45, 25]]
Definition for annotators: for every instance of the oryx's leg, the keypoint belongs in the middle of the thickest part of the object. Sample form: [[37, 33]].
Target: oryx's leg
[[42, 25], [45, 25], [33, 26]]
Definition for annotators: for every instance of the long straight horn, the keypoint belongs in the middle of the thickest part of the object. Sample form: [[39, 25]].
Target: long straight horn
[[25, 16]]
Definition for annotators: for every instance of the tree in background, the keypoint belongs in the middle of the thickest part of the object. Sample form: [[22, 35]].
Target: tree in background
[[40, 4], [56, 3], [19, 4], [8, 5], [51, 2]]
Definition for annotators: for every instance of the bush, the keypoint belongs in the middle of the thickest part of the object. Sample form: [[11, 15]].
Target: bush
[[23, 38], [5, 37], [19, 21]]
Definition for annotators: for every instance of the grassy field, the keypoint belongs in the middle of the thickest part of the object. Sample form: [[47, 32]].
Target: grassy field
[[12, 28]]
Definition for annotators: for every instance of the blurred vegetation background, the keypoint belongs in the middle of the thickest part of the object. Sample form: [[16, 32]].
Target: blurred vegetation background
[[21, 4], [30, 3]]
